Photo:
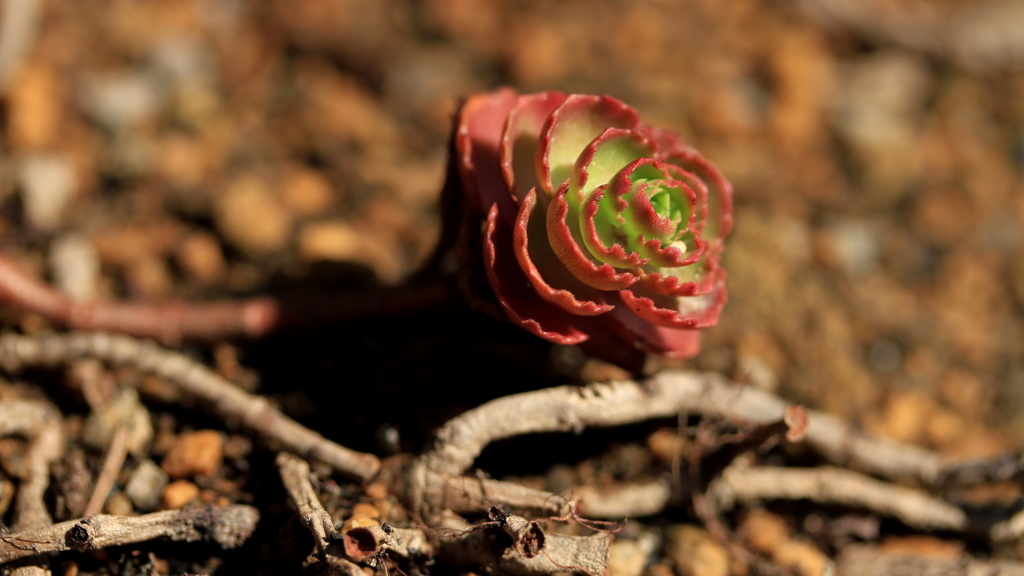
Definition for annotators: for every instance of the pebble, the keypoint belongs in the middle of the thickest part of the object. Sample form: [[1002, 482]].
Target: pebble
[[195, 454], [625, 559], [201, 257], [47, 184], [179, 493], [250, 217], [34, 108], [145, 485], [364, 509], [75, 266], [121, 100], [118, 503], [305, 191], [764, 531], [693, 551], [124, 409]]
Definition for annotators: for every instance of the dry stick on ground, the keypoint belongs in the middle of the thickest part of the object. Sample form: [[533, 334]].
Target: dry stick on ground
[[228, 400], [235, 405], [570, 408], [112, 463], [41, 423], [228, 526], [828, 485], [295, 477], [174, 321], [862, 560]]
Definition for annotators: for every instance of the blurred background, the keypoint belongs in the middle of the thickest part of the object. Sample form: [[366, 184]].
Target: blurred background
[[208, 148]]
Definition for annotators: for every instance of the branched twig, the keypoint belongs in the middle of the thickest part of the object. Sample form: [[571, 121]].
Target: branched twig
[[229, 401], [228, 526], [172, 322], [568, 408], [41, 424], [295, 477], [828, 485]]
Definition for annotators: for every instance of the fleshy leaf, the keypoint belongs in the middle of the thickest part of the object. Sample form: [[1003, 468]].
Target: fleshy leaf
[[604, 157], [481, 123], [600, 234], [652, 339], [521, 137], [691, 312], [569, 129], [545, 272], [569, 248], [521, 303]]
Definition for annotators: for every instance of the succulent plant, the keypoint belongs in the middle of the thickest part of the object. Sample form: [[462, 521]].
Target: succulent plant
[[593, 227]]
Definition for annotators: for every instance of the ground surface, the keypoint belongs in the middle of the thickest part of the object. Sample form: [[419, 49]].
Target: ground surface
[[202, 149]]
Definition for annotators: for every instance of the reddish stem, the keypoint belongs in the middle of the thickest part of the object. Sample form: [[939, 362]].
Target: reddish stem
[[173, 321]]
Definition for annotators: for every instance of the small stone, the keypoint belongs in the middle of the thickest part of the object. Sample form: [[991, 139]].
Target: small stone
[[337, 240], [923, 546], [124, 409], [357, 522], [376, 490], [145, 486], [47, 187], [179, 493], [122, 99], [250, 217], [201, 257], [364, 509], [801, 558], [693, 551], [195, 454], [150, 278], [118, 503], [626, 558], [75, 266], [764, 531], [306, 192], [34, 108]]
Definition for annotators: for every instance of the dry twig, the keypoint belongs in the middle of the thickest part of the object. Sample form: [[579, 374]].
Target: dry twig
[[828, 485], [295, 477], [229, 401], [861, 560], [228, 526], [112, 463], [569, 408]]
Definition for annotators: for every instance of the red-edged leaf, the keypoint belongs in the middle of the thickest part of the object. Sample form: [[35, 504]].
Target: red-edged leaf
[[521, 137], [520, 302], [478, 135], [565, 244], [569, 129], [642, 335], [691, 312], [548, 276], [599, 239]]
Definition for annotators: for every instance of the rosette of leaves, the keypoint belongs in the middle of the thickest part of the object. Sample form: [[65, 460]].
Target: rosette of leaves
[[592, 228]]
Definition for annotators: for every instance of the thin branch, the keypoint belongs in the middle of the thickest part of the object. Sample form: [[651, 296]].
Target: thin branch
[[828, 485], [863, 560], [174, 321], [112, 463], [295, 477], [41, 423], [568, 408], [229, 401], [228, 526]]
